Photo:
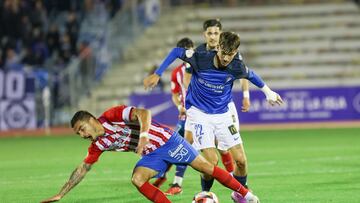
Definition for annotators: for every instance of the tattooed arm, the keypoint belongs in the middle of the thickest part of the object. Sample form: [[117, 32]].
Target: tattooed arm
[[77, 175]]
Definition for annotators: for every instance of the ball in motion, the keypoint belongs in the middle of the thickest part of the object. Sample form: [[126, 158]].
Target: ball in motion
[[205, 197]]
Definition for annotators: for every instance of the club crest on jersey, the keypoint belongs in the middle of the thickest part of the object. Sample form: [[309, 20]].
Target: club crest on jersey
[[228, 79]]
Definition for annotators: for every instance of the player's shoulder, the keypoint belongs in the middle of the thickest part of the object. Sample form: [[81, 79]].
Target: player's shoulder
[[110, 112], [237, 64], [205, 54], [176, 70], [201, 47], [116, 108], [239, 56]]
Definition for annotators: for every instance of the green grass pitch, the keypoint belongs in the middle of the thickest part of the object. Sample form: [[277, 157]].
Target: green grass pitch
[[292, 166]]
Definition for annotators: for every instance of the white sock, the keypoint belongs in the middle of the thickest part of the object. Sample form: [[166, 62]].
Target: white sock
[[178, 180], [249, 196]]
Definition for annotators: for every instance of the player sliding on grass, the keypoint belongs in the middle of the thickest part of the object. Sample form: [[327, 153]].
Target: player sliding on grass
[[124, 128], [208, 96]]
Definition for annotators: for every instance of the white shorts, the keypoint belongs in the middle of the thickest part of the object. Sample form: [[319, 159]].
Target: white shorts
[[234, 114], [208, 127]]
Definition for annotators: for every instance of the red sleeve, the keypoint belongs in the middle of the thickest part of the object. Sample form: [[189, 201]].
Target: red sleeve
[[175, 86], [118, 113], [93, 154]]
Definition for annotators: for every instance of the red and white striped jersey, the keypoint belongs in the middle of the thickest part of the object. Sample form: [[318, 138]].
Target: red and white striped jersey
[[177, 82], [123, 135]]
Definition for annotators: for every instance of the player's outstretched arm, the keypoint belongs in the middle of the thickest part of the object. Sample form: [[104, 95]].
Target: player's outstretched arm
[[77, 175], [152, 80], [271, 96]]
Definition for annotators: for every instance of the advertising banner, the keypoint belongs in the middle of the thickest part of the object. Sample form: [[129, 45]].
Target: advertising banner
[[17, 101], [300, 105]]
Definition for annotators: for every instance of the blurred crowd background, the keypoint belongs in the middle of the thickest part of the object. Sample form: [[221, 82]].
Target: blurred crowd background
[[93, 54]]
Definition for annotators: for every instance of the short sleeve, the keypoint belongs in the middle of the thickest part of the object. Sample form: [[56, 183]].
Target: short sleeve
[[118, 114], [93, 154], [175, 86], [240, 70]]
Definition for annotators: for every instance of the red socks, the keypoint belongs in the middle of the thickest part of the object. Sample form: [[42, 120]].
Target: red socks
[[228, 161], [227, 180], [153, 193]]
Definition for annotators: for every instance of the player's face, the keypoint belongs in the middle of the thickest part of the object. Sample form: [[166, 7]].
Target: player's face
[[225, 57], [86, 129], [212, 35]]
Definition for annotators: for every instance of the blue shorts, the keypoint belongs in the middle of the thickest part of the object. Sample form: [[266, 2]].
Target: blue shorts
[[175, 151], [180, 127]]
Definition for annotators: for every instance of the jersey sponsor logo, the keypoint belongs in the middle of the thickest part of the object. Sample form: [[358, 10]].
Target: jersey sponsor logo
[[179, 153], [232, 129], [215, 88]]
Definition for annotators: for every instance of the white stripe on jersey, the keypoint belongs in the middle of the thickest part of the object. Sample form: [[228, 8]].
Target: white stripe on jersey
[[126, 113], [107, 141], [109, 126], [115, 136], [160, 130], [157, 139], [102, 148]]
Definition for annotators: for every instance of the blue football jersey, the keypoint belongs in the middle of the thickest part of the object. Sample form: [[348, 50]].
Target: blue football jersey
[[210, 87]]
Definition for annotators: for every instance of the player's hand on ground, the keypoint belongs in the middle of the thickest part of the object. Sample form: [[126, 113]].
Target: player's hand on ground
[[52, 199], [245, 105], [151, 81], [143, 141]]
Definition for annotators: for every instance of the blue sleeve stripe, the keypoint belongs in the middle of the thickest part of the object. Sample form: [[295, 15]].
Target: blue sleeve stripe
[[255, 79], [171, 57]]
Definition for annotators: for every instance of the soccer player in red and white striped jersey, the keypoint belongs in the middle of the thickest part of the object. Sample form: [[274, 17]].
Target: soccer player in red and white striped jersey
[[124, 128]]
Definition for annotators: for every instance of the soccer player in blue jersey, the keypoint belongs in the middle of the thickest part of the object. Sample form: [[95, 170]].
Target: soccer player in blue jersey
[[209, 93], [212, 30]]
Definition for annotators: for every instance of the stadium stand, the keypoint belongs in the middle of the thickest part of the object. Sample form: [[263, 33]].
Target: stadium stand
[[290, 45]]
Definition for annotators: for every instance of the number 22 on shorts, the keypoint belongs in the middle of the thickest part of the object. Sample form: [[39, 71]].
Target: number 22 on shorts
[[199, 132]]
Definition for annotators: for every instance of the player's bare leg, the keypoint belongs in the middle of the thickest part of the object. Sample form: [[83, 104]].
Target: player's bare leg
[[188, 136], [206, 179], [202, 165], [239, 156], [240, 172], [140, 179]]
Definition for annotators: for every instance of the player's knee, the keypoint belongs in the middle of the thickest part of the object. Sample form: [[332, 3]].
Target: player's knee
[[137, 180], [241, 163]]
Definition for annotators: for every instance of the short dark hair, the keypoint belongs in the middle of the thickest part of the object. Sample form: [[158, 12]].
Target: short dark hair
[[229, 41], [185, 43], [81, 116], [212, 23]]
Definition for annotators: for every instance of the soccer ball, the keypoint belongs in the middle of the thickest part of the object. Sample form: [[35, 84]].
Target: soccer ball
[[205, 197]]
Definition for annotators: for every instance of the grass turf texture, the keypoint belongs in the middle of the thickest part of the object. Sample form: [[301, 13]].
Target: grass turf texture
[[296, 166]]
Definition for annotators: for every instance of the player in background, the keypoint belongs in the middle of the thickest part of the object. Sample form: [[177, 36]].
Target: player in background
[[208, 96], [125, 128], [212, 29]]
